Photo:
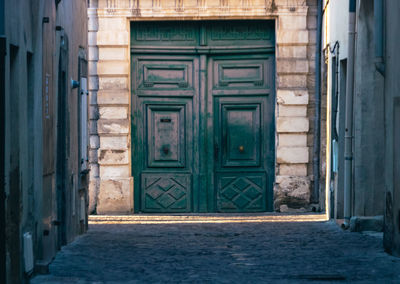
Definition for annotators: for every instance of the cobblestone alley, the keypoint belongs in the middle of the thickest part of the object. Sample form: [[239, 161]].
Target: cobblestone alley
[[221, 249]]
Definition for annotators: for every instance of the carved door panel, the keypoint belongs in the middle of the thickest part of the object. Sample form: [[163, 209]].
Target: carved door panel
[[241, 88]]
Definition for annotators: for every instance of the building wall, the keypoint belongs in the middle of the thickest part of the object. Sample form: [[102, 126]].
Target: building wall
[[111, 185], [33, 47], [368, 119], [368, 112], [336, 26], [392, 128]]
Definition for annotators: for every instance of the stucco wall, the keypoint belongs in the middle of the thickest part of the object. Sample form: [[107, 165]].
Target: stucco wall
[[111, 186], [31, 205], [392, 128]]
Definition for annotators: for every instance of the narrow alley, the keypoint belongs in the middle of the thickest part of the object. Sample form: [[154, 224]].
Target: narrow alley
[[211, 248], [199, 141]]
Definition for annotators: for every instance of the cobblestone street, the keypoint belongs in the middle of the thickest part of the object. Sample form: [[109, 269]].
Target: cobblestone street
[[221, 249]]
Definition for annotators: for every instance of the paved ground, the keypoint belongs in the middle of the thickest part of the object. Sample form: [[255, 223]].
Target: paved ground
[[221, 249]]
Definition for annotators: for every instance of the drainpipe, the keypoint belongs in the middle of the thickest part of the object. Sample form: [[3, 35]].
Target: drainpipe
[[378, 18], [317, 118], [2, 145], [348, 151]]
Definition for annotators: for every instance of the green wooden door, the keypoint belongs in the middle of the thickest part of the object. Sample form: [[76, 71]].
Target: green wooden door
[[202, 116], [240, 89], [164, 146]]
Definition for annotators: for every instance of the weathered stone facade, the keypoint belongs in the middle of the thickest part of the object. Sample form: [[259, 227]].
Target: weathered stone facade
[[111, 188]]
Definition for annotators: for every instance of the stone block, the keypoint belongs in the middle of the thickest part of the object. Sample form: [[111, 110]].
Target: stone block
[[120, 97], [292, 36], [115, 196], [92, 38], [113, 126], [93, 127], [113, 112], [113, 68], [94, 141], [311, 51], [115, 142], [93, 112], [113, 24], [108, 172], [312, 36], [114, 37], [93, 195], [93, 83], [113, 83], [288, 66], [93, 53], [311, 22], [292, 97], [92, 68], [93, 24], [113, 157], [296, 51], [113, 53], [292, 140], [292, 155], [92, 97], [292, 191], [288, 110], [93, 156], [94, 171], [292, 81], [299, 170], [293, 22], [292, 124]]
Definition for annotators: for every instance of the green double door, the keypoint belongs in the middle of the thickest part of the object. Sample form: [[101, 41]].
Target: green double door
[[203, 117]]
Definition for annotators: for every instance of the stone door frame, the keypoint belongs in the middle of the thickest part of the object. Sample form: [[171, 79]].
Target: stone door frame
[[111, 189]]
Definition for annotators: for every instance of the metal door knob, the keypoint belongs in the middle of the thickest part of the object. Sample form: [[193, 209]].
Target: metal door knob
[[241, 149], [165, 149]]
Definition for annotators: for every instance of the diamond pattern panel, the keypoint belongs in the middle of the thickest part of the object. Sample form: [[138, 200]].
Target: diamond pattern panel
[[166, 193], [241, 193]]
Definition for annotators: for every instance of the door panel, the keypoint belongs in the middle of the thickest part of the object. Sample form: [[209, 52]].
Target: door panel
[[241, 159], [241, 192], [167, 74], [166, 135], [240, 137], [166, 192], [243, 127], [167, 154], [245, 72], [163, 128]]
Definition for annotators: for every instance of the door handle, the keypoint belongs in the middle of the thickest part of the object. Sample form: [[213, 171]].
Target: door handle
[[241, 149], [165, 149]]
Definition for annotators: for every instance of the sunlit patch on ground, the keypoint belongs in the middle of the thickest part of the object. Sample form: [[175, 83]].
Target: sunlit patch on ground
[[205, 218]]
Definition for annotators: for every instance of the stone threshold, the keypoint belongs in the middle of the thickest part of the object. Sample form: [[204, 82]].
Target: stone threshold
[[193, 218]]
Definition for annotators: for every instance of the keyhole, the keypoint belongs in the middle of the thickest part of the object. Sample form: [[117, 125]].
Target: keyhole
[[241, 149]]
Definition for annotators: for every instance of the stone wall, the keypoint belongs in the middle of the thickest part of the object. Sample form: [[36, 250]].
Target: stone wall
[[111, 188]]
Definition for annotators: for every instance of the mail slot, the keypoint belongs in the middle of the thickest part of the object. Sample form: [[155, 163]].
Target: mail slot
[[165, 120]]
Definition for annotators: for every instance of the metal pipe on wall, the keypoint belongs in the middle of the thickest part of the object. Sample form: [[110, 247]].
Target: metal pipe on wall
[[348, 138], [378, 36], [317, 118]]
